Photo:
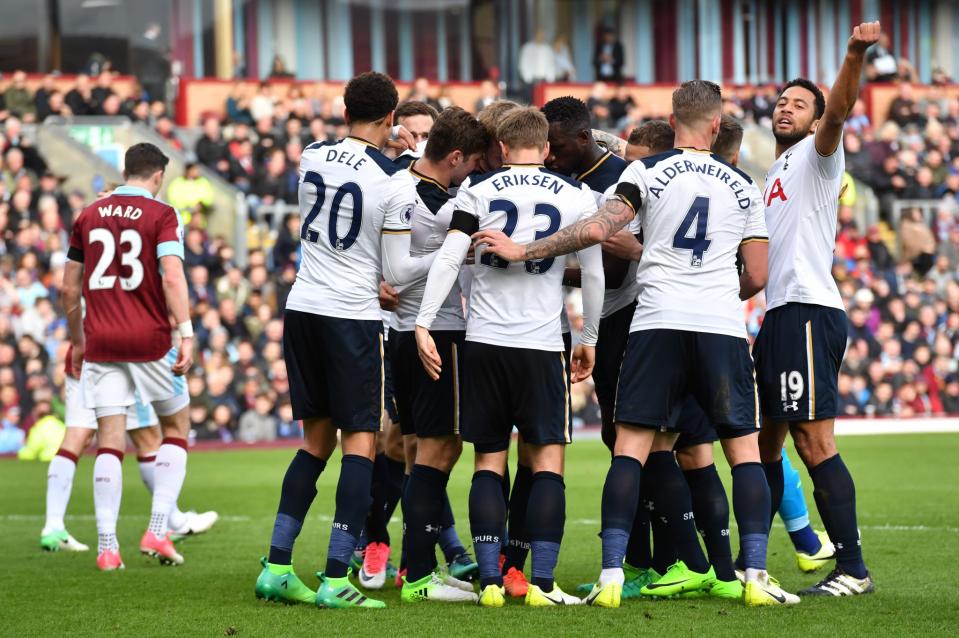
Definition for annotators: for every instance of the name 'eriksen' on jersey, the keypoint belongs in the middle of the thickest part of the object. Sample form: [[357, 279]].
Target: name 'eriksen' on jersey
[[685, 166], [525, 179]]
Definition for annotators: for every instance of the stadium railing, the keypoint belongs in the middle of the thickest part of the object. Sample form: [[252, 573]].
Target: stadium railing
[[929, 208]]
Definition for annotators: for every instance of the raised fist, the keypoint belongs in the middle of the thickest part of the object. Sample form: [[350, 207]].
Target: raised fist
[[863, 37]]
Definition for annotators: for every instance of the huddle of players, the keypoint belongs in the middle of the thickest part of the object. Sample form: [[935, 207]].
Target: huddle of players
[[683, 337]]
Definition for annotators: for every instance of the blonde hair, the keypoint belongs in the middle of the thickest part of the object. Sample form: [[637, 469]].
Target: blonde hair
[[525, 127], [493, 114]]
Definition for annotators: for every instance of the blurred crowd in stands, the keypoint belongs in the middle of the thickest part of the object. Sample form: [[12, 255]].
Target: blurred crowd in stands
[[898, 276]]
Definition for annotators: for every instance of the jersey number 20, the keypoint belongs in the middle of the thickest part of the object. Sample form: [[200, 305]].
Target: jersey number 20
[[533, 266], [350, 188], [697, 214]]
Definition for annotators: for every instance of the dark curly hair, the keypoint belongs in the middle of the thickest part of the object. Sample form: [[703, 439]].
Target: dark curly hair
[[568, 111], [812, 88], [369, 97], [455, 129]]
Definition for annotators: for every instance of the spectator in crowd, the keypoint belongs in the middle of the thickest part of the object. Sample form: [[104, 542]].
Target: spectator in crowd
[[17, 98], [211, 149], [191, 194], [258, 423], [565, 69], [489, 93], [598, 105], [272, 183], [102, 91], [80, 98], [165, 128], [278, 68], [608, 58], [881, 64], [537, 61], [422, 92], [619, 107], [918, 244]]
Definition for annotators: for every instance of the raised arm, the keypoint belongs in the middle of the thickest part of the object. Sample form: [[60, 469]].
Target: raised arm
[[613, 216], [845, 89]]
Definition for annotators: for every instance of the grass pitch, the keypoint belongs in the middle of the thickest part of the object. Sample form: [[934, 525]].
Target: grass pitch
[[908, 512]]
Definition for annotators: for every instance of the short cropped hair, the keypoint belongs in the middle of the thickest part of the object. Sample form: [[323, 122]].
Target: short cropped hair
[[370, 97], [656, 135], [143, 160], [525, 127], [568, 111], [812, 88], [493, 114], [415, 107], [730, 138], [697, 100], [455, 129]]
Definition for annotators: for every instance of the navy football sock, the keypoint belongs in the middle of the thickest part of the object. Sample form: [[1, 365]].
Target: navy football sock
[[672, 498], [835, 495], [449, 540], [517, 547], [296, 496], [776, 480], [376, 519], [711, 508], [352, 504], [547, 517], [422, 511], [619, 508], [403, 485], [487, 515], [751, 506], [805, 540], [664, 553], [638, 552]]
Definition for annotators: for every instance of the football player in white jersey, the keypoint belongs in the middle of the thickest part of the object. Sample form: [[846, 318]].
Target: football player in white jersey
[[396, 447], [355, 205], [431, 409], [803, 337], [514, 369], [687, 336]]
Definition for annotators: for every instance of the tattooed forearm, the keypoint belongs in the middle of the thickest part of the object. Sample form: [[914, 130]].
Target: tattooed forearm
[[586, 232], [613, 143]]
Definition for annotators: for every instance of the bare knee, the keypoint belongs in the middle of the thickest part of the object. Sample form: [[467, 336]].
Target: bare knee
[[439, 452], [547, 458], [815, 441], [695, 457], [319, 438], [772, 436], [76, 440]]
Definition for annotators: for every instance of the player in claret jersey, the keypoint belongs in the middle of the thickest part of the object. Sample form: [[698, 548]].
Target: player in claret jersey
[[126, 260], [514, 368], [355, 205], [803, 337]]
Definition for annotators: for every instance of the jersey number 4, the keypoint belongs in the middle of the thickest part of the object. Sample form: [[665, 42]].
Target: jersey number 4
[[533, 267], [350, 188], [129, 258], [698, 214]]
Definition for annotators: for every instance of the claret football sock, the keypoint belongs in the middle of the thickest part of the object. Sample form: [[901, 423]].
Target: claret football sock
[[835, 495], [296, 496], [487, 515], [546, 520], [711, 508], [352, 505]]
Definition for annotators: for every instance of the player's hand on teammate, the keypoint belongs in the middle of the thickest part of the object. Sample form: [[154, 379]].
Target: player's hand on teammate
[[430, 358], [389, 298], [581, 366], [863, 37], [404, 140], [184, 357], [76, 360], [498, 243]]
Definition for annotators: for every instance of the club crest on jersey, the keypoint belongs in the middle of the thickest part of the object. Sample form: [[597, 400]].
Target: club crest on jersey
[[408, 213]]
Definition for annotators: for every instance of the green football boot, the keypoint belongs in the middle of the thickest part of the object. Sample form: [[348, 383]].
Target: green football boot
[[463, 567], [636, 579], [279, 583], [731, 589], [60, 540], [679, 579], [339, 593]]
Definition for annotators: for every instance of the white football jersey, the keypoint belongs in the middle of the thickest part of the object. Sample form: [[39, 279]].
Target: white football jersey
[[430, 224], [518, 305], [696, 211], [802, 201], [350, 194]]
